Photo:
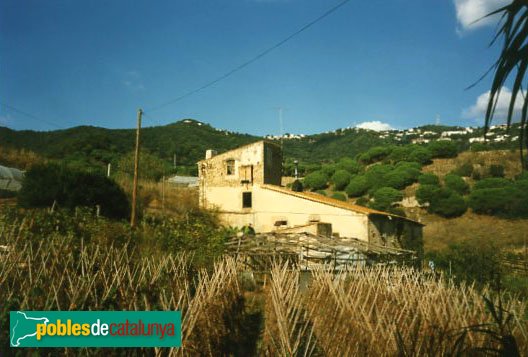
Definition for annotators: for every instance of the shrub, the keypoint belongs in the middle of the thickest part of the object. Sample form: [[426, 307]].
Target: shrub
[[339, 196], [317, 180], [465, 170], [350, 165], [321, 192], [402, 176], [496, 171], [362, 201], [456, 183], [453, 205], [421, 155], [443, 149], [374, 154], [429, 179], [399, 153], [498, 200], [44, 184], [358, 186], [328, 169], [385, 197], [470, 261], [376, 175], [341, 179], [427, 193], [493, 182], [297, 186]]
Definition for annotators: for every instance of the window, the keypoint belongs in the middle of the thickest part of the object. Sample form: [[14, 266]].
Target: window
[[247, 200], [230, 167]]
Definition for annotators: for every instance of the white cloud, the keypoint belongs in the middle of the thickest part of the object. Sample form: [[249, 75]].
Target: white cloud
[[478, 110], [374, 125], [469, 11]]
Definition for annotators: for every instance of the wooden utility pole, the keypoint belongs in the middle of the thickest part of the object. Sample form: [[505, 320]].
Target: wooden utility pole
[[133, 217]]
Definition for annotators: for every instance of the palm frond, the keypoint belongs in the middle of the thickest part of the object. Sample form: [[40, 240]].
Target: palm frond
[[513, 61]]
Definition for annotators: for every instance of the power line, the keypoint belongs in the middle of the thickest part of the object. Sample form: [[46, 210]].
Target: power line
[[252, 60], [30, 116]]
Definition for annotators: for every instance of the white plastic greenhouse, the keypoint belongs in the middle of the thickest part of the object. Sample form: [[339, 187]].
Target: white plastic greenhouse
[[10, 178]]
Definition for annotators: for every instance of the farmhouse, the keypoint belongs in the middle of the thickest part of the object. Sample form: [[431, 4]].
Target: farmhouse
[[244, 185]]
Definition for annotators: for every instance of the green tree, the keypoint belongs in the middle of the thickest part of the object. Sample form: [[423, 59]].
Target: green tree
[[317, 180], [385, 197], [453, 205], [341, 179], [358, 186], [456, 183], [429, 179], [350, 165], [297, 186], [443, 149], [69, 188]]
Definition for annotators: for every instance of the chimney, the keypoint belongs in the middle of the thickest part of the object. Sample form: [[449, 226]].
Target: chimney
[[209, 153]]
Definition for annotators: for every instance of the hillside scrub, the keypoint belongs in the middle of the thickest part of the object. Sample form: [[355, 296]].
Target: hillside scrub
[[443, 149], [358, 186], [317, 180], [442, 201], [500, 196], [46, 184], [341, 179], [456, 183], [429, 179], [350, 165], [385, 197]]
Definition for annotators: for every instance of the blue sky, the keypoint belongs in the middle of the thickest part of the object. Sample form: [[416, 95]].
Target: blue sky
[[397, 62]]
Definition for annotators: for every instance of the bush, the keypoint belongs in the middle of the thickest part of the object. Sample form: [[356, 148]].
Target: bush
[[496, 171], [362, 201], [456, 183], [376, 175], [385, 197], [421, 155], [341, 179], [44, 184], [443, 149], [374, 154], [464, 170], [321, 192], [494, 201], [453, 205], [350, 165], [427, 193], [429, 179], [297, 186], [339, 196], [328, 169], [317, 180], [7, 193], [470, 261], [358, 186], [402, 176], [493, 182]]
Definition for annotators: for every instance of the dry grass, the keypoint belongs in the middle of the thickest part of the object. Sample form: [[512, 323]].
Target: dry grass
[[19, 158], [504, 233], [159, 197], [50, 275], [361, 312], [481, 159], [288, 331]]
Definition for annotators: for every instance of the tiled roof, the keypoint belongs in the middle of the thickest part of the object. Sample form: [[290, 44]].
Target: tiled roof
[[312, 196]]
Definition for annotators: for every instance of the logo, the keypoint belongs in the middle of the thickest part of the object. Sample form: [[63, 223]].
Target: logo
[[95, 328]]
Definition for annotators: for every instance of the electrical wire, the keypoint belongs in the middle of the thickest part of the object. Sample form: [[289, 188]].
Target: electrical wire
[[250, 61], [30, 116]]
